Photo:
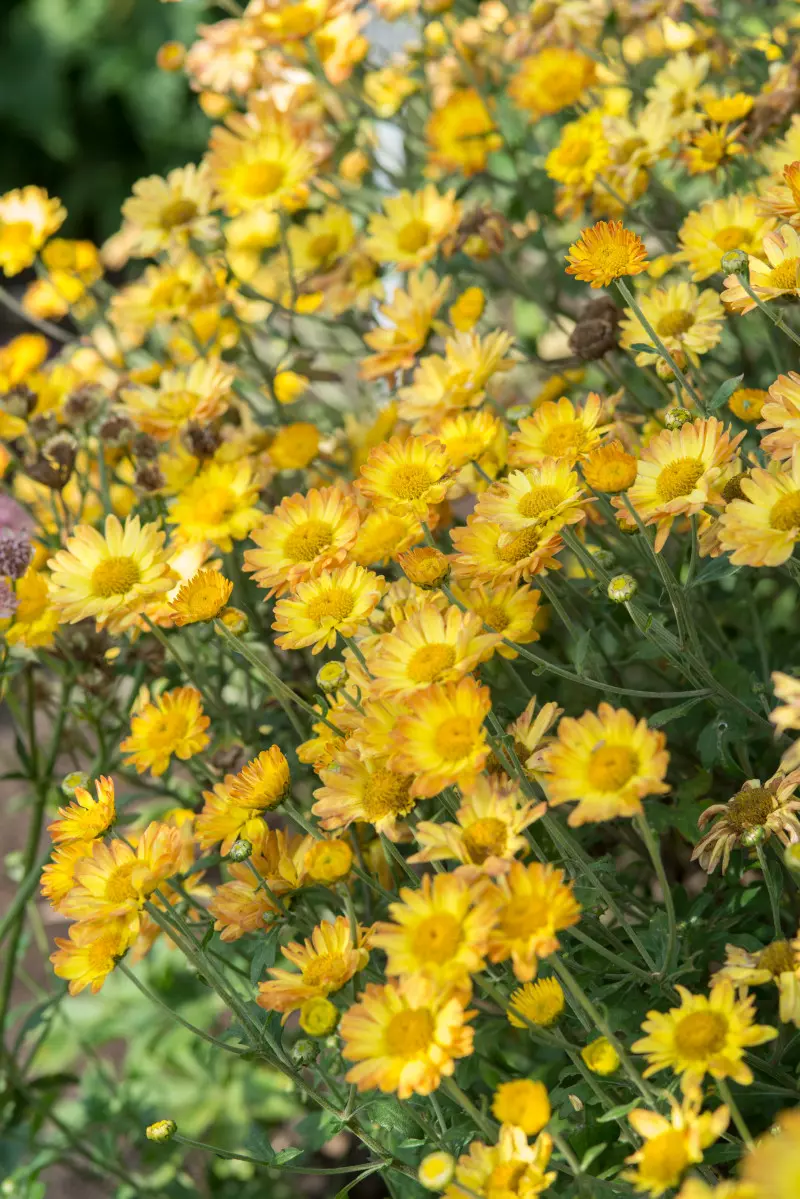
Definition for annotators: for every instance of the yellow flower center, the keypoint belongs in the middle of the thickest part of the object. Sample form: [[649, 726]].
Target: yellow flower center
[[410, 481], [672, 324], [413, 236], [166, 729], [437, 939], [576, 151], [611, 767], [521, 546], [495, 616], [205, 600], [664, 1158], [386, 794], [334, 605], [307, 541], [486, 838], [750, 808], [429, 662], [118, 888], [785, 514], [327, 970], [784, 276], [731, 237], [115, 576], [409, 1032], [567, 438], [218, 504], [678, 478], [262, 178], [100, 954], [778, 958], [611, 260], [455, 738], [700, 1035], [179, 212], [524, 917], [323, 246], [539, 500], [505, 1177]]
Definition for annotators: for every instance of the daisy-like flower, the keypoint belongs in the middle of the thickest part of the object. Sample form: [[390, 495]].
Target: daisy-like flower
[[442, 741], [606, 252], [763, 528], [173, 725], [511, 1168], [773, 1166], [242, 905], [756, 811], [218, 505], [58, 876], [687, 320], [488, 830], [718, 226], [430, 647], [713, 148], [609, 468], [557, 429], [540, 1003], [383, 536], [781, 412], [202, 598], [110, 576], [472, 437], [443, 386], [681, 471], [533, 903], [509, 610], [705, 1035], [748, 403], [257, 160], [488, 553], [672, 1145], [440, 930], [318, 244], [581, 153], [783, 200], [405, 1037], [778, 276], [608, 761], [550, 80], [28, 216], [405, 325], [199, 393], [461, 134], [530, 732], [547, 494], [92, 951], [85, 818], [777, 963], [337, 603], [412, 226], [326, 961], [115, 880], [303, 536], [164, 213], [363, 789], [406, 476]]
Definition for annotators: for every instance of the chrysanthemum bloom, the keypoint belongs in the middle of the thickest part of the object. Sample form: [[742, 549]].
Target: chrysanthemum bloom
[[431, 647], [530, 733], [606, 760], [547, 494], [202, 598], [443, 386], [487, 833], [92, 951], [85, 818], [405, 326], [366, 790], [557, 429], [474, 436], [405, 1037], [109, 576], [600, 1057], [303, 536], [326, 961], [748, 403], [115, 880], [552, 79], [672, 1145], [164, 213], [705, 1035], [258, 160], [236, 806], [406, 476], [718, 226], [412, 226], [35, 619], [533, 903], [329, 860], [756, 811], [171, 725], [579, 156], [712, 148], [778, 276], [337, 603], [787, 716], [606, 252], [509, 610], [461, 134], [511, 1168], [294, 446], [440, 930], [242, 905], [687, 320], [488, 553], [609, 468], [383, 536], [425, 567], [778, 963], [524, 1103], [200, 392], [319, 243], [540, 1003], [681, 471], [442, 740], [773, 1166], [781, 412], [218, 505], [58, 876], [763, 528], [28, 216], [467, 310]]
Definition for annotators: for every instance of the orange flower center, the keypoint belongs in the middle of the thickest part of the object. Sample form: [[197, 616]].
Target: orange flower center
[[611, 767], [778, 958], [262, 178], [524, 917], [328, 970], [486, 838], [672, 324], [521, 546], [409, 1032], [701, 1034], [784, 276], [179, 212], [308, 540], [731, 237], [785, 515], [334, 605], [410, 481], [678, 478], [495, 616], [115, 576], [664, 1158], [437, 939], [429, 662], [386, 794], [750, 808], [539, 500], [455, 738], [567, 438], [413, 236]]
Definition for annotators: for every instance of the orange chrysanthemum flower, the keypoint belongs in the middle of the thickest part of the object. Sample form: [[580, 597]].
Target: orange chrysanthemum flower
[[606, 252]]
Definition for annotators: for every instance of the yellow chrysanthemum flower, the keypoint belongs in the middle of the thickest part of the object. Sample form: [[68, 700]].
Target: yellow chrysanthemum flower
[[363, 789], [609, 468], [461, 134], [242, 904], [406, 323], [326, 961], [110, 576], [236, 807], [581, 154], [557, 429], [171, 725], [200, 393], [540, 1003], [85, 818], [164, 213], [405, 1037], [442, 740], [28, 216], [773, 1166], [524, 1103], [672, 1145], [777, 963], [781, 412], [92, 951], [487, 553], [384, 535], [546, 494], [444, 385], [600, 1057], [202, 598], [688, 321], [509, 610], [511, 1168], [336, 603], [303, 536], [329, 860], [217, 505], [608, 761], [115, 880], [318, 244], [412, 226], [748, 403], [430, 647], [718, 226], [477, 436], [58, 876], [606, 252], [705, 1035], [36, 618], [552, 79], [763, 528], [256, 160], [532, 904], [778, 276], [406, 476]]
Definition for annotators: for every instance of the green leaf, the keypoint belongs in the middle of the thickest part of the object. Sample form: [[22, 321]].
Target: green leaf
[[592, 1154], [581, 650], [724, 392], [659, 719], [616, 1113]]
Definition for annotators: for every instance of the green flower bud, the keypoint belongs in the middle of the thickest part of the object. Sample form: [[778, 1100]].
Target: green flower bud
[[676, 417], [240, 850], [72, 781], [162, 1130], [734, 262], [304, 1052], [622, 589]]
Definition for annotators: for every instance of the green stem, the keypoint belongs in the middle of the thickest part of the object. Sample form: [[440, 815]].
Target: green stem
[[736, 1115], [777, 320], [774, 896], [566, 1153], [229, 1155], [198, 1032], [481, 1122], [283, 693], [629, 298], [169, 647], [43, 326], [654, 850]]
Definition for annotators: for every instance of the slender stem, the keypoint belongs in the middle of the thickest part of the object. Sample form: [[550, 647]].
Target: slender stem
[[566, 1153], [169, 646], [37, 322], [736, 1115], [480, 1121], [628, 296], [267, 889], [654, 850], [776, 319], [198, 1032], [774, 895], [218, 1151]]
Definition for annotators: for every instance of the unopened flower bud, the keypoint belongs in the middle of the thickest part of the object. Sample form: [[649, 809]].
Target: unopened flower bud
[[674, 418], [318, 1016], [329, 860], [600, 1056], [331, 677], [425, 566], [734, 262], [436, 1170], [304, 1052], [241, 850], [235, 621], [72, 781], [622, 589], [603, 557], [162, 1130], [754, 836], [518, 412]]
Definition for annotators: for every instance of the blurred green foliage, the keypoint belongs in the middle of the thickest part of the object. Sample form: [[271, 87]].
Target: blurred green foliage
[[84, 110]]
